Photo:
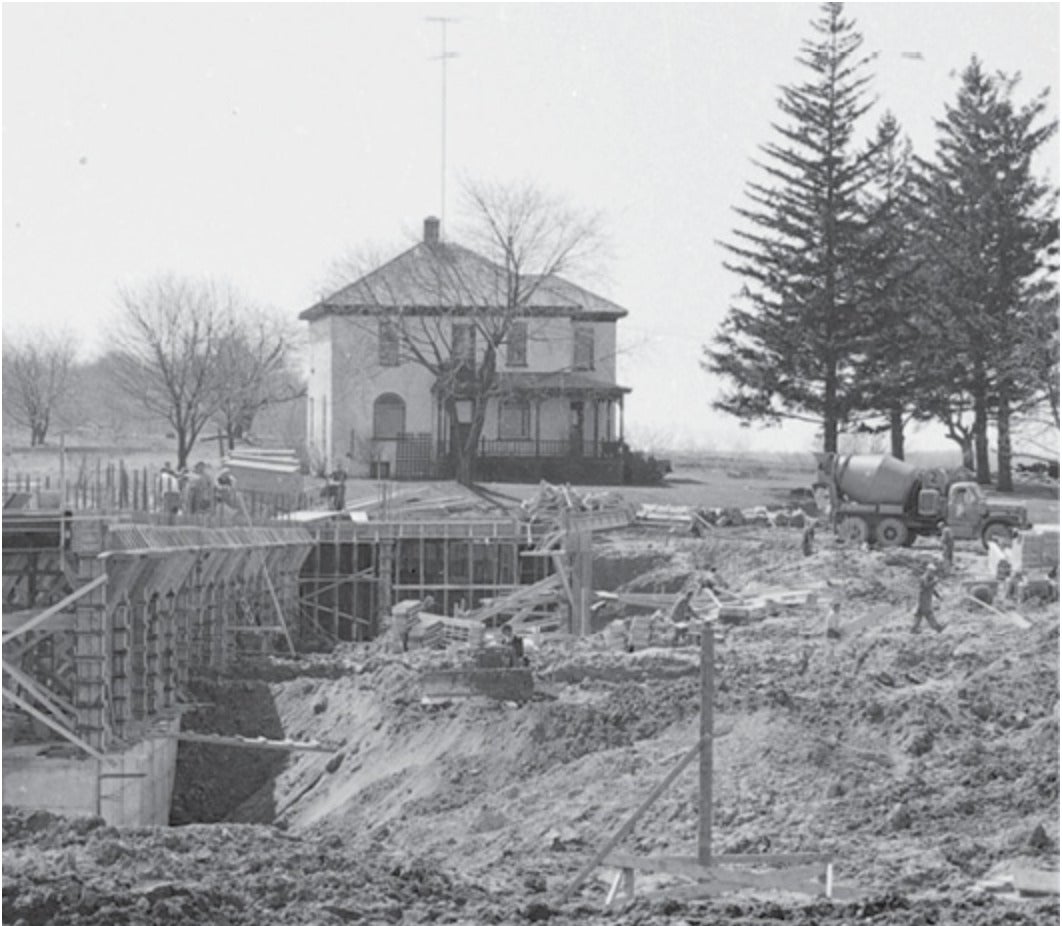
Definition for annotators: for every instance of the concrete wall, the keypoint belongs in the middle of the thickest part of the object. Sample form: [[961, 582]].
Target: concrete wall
[[132, 788]]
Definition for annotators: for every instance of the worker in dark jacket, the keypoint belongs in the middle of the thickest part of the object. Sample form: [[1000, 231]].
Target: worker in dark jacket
[[516, 647], [947, 544], [927, 591], [807, 539]]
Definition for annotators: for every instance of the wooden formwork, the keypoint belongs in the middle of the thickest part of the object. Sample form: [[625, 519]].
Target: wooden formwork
[[129, 610], [357, 571]]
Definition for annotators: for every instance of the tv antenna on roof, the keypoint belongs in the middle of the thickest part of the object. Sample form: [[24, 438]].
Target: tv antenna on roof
[[443, 57]]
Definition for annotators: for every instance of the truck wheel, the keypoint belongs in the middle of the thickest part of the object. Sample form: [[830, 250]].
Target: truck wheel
[[996, 532], [853, 530], [891, 532]]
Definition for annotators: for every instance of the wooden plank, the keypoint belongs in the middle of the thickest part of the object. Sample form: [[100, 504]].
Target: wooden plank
[[16, 620], [1012, 617], [628, 825], [688, 865], [256, 628], [56, 608], [1038, 883], [259, 743], [63, 711], [53, 725], [773, 859]]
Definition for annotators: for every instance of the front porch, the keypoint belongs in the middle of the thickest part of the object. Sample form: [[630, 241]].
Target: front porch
[[561, 427]]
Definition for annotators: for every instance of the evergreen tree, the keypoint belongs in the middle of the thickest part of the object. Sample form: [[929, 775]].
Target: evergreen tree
[[892, 366], [990, 230], [790, 346]]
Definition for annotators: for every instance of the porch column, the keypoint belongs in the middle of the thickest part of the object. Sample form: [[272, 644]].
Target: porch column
[[621, 418], [597, 438], [538, 424]]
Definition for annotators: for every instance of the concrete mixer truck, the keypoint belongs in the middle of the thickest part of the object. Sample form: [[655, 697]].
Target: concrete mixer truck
[[880, 500]]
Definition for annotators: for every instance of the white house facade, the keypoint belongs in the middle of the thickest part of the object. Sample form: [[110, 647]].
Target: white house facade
[[556, 410]]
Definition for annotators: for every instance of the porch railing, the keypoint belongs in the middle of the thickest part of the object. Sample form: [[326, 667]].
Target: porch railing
[[547, 448]]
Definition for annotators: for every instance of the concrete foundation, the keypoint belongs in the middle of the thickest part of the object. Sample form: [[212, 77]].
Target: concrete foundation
[[132, 787]]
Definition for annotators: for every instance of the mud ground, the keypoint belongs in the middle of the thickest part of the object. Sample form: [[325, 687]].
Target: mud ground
[[925, 763]]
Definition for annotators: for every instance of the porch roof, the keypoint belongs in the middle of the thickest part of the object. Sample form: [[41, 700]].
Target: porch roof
[[559, 383]]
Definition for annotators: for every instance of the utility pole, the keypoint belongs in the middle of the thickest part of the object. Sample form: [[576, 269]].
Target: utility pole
[[443, 57]]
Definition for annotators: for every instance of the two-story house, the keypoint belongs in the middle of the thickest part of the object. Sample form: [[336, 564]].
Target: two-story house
[[554, 411]]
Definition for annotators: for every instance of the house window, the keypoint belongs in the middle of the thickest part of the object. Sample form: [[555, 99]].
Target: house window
[[464, 344], [514, 419], [516, 345], [388, 417], [583, 352], [388, 344]]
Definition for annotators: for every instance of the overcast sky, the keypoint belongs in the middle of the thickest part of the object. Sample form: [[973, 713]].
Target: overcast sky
[[261, 142]]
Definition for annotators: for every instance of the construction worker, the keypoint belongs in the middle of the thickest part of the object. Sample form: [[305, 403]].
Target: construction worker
[[337, 481], [947, 545], [807, 539], [225, 488], [681, 610], [515, 643], [169, 493], [927, 591], [1014, 587], [200, 489], [833, 622]]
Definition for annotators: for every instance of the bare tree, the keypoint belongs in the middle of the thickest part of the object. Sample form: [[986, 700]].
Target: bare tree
[[194, 351], [37, 378], [255, 371], [452, 310], [167, 348]]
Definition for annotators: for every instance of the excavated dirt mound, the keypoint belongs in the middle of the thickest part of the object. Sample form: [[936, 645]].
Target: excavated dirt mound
[[83, 873]]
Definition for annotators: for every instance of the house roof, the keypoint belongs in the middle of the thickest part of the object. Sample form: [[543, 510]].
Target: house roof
[[440, 276], [558, 383]]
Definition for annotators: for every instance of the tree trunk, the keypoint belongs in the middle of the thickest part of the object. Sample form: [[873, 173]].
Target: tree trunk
[[182, 448], [966, 447], [829, 416], [983, 466], [464, 443], [896, 431], [1005, 480]]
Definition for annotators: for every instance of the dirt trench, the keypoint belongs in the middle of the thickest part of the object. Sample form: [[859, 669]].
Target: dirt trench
[[228, 783]]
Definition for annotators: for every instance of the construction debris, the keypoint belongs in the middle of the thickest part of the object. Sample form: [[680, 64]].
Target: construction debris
[[701, 521], [439, 782]]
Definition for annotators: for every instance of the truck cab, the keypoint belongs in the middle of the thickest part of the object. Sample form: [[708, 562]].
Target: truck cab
[[971, 516]]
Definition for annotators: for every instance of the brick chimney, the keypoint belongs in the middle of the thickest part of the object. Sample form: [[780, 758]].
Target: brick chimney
[[431, 230]]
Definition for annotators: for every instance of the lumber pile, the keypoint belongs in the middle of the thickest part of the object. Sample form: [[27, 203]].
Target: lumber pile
[[435, 631], [544, 593], [564, 506], [701, 521]]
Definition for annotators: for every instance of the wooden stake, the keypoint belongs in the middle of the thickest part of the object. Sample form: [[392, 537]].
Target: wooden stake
[[704, 830]]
